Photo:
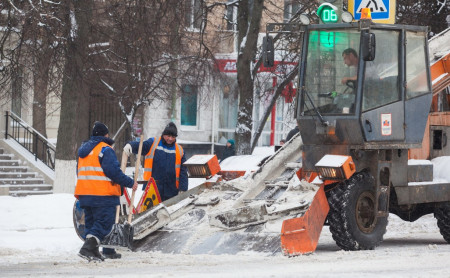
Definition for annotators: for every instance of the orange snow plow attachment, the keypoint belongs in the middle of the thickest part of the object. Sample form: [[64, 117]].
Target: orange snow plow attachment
[[300, 235]]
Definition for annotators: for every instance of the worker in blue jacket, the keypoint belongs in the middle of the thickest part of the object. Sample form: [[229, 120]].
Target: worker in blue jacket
[[98, 190], [164, 159]]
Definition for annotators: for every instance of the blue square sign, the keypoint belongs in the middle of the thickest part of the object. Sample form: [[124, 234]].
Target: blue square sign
[[382, 11]]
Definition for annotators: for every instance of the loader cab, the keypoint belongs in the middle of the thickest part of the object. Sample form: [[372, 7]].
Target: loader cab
[[364, 87]]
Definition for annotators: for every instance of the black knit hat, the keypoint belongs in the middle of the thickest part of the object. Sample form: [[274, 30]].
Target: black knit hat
[[171, 129], [99, 129]]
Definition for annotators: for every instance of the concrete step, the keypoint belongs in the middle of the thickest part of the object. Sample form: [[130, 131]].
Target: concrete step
[[9, 163], [21, 193], [17, 175], [29, 187], [6, 156], [22, 181], [21, 169], [17, 180]]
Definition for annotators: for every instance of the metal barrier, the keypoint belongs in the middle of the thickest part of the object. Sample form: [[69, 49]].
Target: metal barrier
[[30, 139]]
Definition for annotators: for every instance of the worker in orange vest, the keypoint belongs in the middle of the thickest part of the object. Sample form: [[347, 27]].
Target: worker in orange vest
[[164, 159], [98, 188]]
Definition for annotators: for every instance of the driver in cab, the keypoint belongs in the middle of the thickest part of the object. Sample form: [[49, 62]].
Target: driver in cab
[[351, 60]]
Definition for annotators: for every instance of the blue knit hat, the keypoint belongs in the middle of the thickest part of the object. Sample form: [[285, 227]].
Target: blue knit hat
[[231, 141]]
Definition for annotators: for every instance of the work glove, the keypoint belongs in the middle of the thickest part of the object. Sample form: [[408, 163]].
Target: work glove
[[181, 192], [135, 186], [127, 149]]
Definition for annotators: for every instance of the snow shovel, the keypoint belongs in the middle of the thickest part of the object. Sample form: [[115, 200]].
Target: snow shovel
[[122, 234]]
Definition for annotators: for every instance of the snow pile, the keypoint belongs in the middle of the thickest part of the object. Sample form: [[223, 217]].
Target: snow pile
[[37, 226], [441, 168]]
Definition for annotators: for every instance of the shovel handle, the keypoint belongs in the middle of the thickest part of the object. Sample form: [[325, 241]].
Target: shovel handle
[[136, 173], [117, 214], [123, 164]]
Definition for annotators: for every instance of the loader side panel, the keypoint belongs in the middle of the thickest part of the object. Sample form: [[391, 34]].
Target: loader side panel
[[416, 115], [385, 123]]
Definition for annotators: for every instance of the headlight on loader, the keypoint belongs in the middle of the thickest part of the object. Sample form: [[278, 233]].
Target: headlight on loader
[[335, 167], [202, 166]]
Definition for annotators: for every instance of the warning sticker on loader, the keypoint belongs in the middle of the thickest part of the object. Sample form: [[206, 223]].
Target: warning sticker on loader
[[386, 124]]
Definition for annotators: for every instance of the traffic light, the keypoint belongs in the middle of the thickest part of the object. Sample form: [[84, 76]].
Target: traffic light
[[268, 52], [330, 11]]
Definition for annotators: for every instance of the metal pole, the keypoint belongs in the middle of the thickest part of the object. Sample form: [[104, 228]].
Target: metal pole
[[212, 123], [35, 146], [6, 126]]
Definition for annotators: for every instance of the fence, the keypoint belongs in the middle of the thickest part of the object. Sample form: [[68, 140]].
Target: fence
[[30, 139]]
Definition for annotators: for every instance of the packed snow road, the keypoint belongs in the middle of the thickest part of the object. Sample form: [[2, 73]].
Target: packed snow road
[[37, 239]]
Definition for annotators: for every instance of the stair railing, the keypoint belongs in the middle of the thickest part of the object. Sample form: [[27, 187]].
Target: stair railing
[[30, 139]]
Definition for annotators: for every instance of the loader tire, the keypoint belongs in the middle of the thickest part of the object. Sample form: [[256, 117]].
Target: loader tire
[[442, 214], [78, 219], [353, 224]]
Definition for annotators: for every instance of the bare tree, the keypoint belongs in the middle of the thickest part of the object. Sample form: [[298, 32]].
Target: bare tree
[[28, 46], [74, 95], [249, 60], [145, 52], [432, 13]]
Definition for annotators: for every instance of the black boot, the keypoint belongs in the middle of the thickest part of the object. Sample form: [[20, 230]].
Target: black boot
[[88, 250], [97, 251], [110, 253]]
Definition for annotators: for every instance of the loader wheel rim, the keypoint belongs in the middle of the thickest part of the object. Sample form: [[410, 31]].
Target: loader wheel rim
[[365, 212]]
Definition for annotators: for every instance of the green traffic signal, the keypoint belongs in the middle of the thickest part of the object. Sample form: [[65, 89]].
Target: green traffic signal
[[327, 13]]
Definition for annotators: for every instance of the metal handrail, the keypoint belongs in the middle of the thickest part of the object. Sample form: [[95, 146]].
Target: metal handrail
[[30, 139]]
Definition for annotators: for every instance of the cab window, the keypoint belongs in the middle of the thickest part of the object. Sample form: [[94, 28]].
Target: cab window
[[381, 85]]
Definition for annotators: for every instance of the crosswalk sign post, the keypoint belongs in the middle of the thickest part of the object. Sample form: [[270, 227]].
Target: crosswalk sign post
[[383, 11]]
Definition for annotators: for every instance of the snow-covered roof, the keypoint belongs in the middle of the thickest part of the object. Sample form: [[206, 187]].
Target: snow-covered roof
[[439, 45]]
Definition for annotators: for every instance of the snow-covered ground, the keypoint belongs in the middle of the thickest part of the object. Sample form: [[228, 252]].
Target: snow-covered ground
[[37, 238]]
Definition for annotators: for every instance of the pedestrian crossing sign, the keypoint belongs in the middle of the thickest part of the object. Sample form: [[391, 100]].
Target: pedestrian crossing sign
[[383, 11]]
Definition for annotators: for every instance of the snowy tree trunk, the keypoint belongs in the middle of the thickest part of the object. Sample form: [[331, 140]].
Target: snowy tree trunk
[[73, 126], [248, 30], [40, 79]]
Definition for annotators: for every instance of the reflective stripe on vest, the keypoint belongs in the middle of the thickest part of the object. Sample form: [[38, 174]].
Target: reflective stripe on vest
[[148, 164], [91, 179]]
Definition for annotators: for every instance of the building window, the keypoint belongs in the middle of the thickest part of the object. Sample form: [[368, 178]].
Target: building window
[[193, 16], [291, 7], [189, 95], [231, 16], [228, 113]]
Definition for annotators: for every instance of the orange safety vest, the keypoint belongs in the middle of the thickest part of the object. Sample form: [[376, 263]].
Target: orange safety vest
[[91, 179], [148, 164]]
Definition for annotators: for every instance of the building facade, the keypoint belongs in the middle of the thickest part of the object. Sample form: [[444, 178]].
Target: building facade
[[204, 113]]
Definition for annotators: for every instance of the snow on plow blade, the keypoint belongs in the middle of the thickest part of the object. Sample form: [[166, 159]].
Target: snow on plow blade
[[150, 221], [159, 216]]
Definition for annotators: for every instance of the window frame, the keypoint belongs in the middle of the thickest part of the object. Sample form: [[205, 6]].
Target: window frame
[[192, 13], [197, 110]]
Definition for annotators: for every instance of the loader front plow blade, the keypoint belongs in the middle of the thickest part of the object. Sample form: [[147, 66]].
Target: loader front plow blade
[[300, 235], [246, 214]]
